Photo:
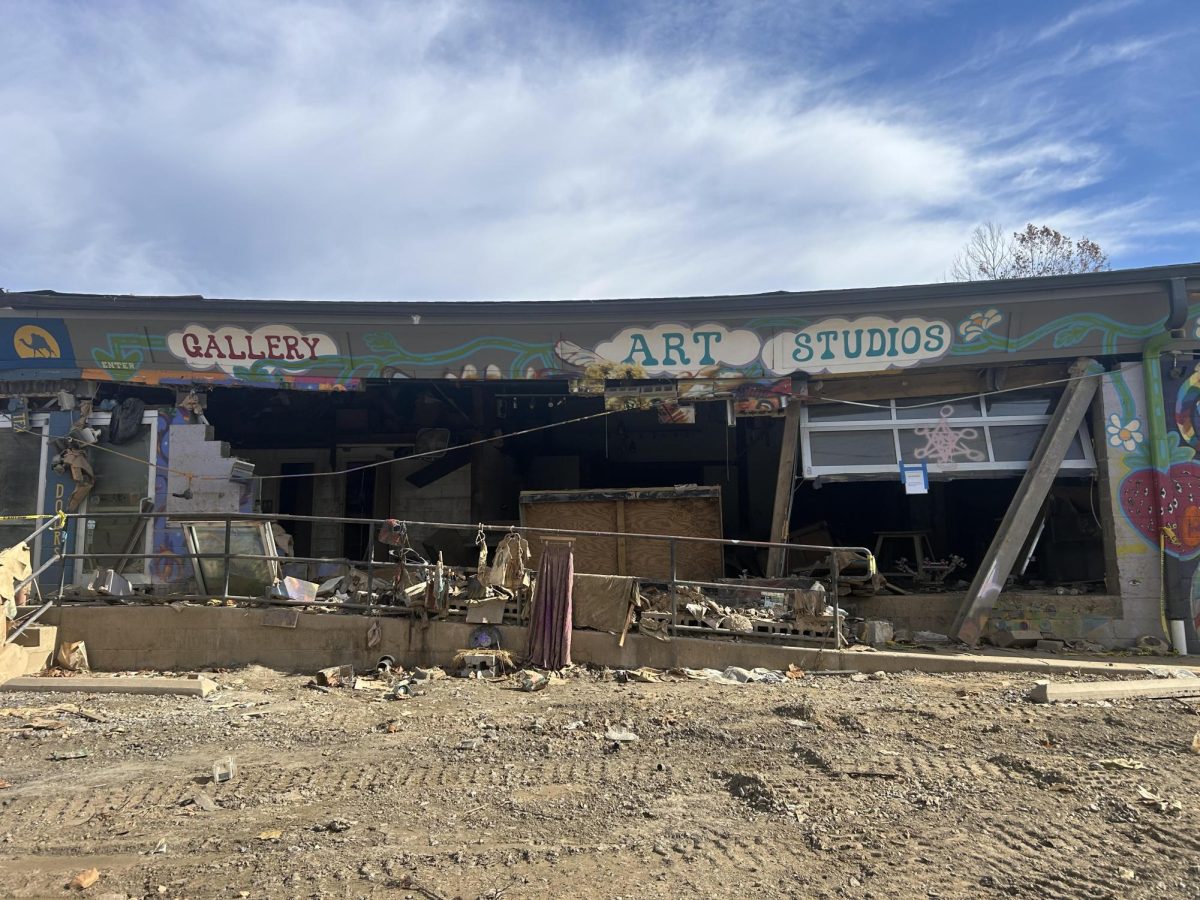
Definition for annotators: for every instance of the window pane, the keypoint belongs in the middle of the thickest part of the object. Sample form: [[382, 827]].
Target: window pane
[[933, 408], [1075, 451], [20, 457], [120, 486], [842, 412], [1021, 403], [852, 448], [944, 444], [1016, 443]]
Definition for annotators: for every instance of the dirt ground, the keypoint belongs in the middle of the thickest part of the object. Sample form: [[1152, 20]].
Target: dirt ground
[[898, 786]]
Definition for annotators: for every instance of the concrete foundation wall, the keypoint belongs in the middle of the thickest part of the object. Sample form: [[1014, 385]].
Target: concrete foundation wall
[[188, 638], [1087, 617]]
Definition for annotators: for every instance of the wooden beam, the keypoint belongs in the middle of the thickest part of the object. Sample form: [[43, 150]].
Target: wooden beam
[[1150, 689], [1027, 503], [785, 486], [192, 687]]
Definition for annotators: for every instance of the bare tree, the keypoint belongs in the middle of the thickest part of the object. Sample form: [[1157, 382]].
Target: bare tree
[[991, 254]]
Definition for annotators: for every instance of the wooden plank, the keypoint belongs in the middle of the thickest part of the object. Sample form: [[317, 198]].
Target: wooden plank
[[785, 488], [1052, 691], [190, 687]]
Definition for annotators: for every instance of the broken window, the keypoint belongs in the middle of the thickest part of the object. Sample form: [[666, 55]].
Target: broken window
[[247, 577], [950, 435]]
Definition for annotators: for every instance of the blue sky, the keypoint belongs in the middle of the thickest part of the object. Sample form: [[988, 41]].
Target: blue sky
[[514, 150]]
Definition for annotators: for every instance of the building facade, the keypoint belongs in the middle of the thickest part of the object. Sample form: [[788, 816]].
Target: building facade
[[446, 411]]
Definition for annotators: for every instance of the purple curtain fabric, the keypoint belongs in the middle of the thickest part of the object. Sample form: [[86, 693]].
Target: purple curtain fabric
[[550, 616]]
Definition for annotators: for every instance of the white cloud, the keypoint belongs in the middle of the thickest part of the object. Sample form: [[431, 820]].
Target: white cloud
[[446, 150]]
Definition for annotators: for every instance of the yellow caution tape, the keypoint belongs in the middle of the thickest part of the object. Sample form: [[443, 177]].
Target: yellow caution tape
[[60, 516]]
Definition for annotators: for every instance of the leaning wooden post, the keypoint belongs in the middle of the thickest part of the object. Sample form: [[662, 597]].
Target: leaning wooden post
[[785, 485]]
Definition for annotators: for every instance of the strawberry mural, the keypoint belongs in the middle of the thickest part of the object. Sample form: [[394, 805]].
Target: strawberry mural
[[1175, 502]]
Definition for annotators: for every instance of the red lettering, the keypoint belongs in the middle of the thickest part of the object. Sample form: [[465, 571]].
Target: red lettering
[[212, 348], [233, 354], [250, 351], [312, 343], [273, 346], [292, 347], [191, 345]]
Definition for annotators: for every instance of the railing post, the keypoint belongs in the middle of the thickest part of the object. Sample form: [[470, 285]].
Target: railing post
[[834, 571], [674, 590], [62, 556], [370, 565], [228, 535]]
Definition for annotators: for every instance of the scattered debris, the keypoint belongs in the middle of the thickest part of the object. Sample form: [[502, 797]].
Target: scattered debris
[[224, 770], [482, 663], [532, 681], [876, 632], [469, 744], [272, 834], [620, 735], [335, 826], [1196, 743], [72, 657], [204, 802], [1122, 763], [69, 754], [932, 637], [335, 676], [1162, 804], [85, 879]]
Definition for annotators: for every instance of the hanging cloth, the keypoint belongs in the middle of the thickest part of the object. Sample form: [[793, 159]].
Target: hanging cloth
[[509, 563], [550, 619]]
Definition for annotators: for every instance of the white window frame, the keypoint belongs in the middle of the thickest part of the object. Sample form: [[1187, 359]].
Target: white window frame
[[895, 425]]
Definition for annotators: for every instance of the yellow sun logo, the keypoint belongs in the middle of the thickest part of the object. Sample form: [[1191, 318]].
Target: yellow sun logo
[[32, 342]]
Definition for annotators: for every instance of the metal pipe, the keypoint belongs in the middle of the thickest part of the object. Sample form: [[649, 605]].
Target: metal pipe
[[47, 564], [36, 615], [54, 520], [499, 529]]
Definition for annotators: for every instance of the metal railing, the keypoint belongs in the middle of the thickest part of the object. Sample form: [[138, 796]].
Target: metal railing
[[835, 557]]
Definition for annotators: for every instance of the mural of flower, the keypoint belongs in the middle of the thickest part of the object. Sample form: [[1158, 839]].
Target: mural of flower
[[1127, 435], [972, 328]]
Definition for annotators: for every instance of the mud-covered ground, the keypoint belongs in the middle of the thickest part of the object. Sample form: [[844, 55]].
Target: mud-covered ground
[[900, 786]]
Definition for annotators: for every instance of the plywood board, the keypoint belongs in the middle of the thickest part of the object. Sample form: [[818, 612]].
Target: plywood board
[[689, 512], [700, 517], [597, 556]]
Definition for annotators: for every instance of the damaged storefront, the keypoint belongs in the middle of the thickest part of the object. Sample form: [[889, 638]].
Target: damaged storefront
[[1016, 455]]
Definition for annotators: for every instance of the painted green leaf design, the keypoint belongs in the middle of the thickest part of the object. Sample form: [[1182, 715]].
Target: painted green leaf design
[[1072, 334], [381, 342]]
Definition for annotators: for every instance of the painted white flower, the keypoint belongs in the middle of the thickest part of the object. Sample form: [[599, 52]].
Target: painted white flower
[[973, 326], [1127, 435]]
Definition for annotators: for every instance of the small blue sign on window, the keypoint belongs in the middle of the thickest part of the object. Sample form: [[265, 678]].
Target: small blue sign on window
[[915, 477]]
